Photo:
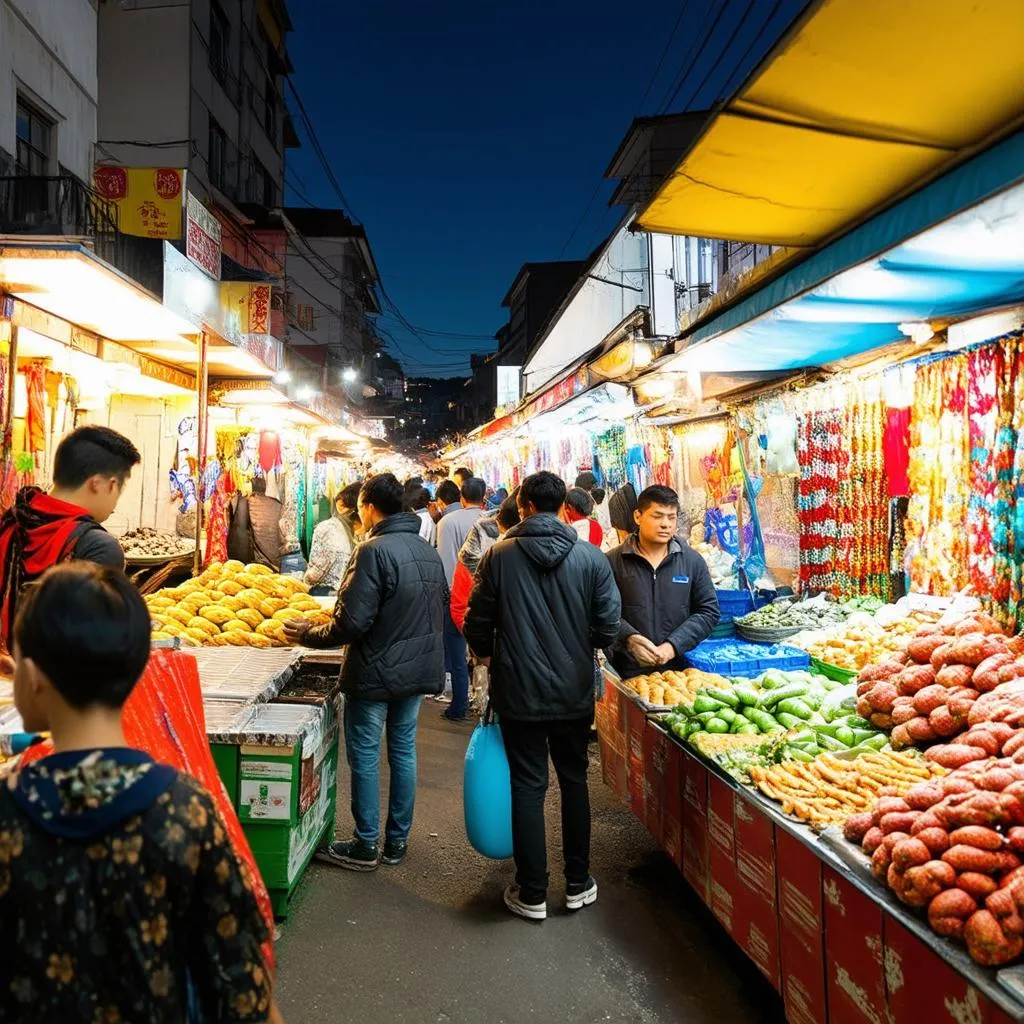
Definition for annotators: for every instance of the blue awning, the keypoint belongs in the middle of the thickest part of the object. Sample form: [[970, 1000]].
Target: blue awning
[[838, 303]]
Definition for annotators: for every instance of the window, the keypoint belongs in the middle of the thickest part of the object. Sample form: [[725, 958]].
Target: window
[[220, 34], [34, 140], [216, 158]]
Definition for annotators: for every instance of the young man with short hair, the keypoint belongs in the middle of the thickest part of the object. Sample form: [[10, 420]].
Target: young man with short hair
[[120, 894], [391, 609], [542, 603], [90, 468], [666, 588], [452, 531]]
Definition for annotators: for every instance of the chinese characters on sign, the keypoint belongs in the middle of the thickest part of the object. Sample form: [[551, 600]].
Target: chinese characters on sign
[[202, 238], [147, 199]]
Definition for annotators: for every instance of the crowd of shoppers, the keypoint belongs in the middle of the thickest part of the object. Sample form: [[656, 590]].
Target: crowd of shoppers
[[427, 576]]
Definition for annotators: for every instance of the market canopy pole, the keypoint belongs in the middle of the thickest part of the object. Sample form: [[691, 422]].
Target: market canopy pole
[[202, 393]]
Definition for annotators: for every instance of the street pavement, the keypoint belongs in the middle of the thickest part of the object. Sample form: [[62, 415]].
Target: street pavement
[[429, 941]]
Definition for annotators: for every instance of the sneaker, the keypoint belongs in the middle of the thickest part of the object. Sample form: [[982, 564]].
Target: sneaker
[[353, 854], [531, 911], [580, 894], [454, 718], [394, 851]]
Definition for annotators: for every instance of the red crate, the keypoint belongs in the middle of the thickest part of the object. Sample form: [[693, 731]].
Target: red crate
[[656, 744], [756, 929], [799, 892], [721, 817], [613, 769], [695, 824], [853, 953], [672, 810], [920, 985], [636, 722], [724, 890], [755, 849], [803, 979]]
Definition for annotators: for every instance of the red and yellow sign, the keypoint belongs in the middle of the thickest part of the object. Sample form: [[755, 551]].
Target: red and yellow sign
[[148, 199]]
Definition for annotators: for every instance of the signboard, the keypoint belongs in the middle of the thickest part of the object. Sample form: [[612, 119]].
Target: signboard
[[561, 392], [148, 199], [202, 238], [508, 385], [190, 293]]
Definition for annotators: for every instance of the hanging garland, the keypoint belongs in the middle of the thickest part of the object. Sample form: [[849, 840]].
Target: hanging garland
[[823, 459]]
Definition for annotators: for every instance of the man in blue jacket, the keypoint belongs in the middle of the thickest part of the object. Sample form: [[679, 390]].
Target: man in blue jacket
[[391, 609], [541, 604], [669, 603]]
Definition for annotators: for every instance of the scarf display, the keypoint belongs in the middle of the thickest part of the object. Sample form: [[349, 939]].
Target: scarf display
[[35, 534]]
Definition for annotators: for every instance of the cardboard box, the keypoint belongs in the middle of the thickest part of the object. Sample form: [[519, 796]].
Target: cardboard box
[[656, 745], [756, 929], [755, 850], [723, 890], [920, 985], [721, 817], [798, 874], [636, 724], [803, 978], [853, 953], [613, 769], [695, 825], [672, 804]]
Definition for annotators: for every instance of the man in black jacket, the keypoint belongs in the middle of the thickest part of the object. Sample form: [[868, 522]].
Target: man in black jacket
[[391, 609], [541, 604], [668, 600]]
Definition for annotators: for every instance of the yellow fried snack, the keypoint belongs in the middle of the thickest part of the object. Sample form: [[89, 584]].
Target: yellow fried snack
[[319, 618], [251, 615], [199, 636], [194, 602], [237, 626], [247, 579], [251, 597], [178, 614], [284, 614], [233, 566], [303, 602], [171, 593], [255, 640], [233, 604], [270, 605], [267, 584], [172, 626], [158, 635], [271, 628], [205, 625], [259, 570], [190, 586], [220, 640], [235, 638], [216, 613], [230, 586], [155, 602]]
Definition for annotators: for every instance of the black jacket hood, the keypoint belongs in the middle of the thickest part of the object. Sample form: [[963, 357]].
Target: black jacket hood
[[400, 522], [544, 539]]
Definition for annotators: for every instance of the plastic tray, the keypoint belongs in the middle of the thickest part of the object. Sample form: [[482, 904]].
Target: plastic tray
[[732, 604], [710, 656], [833, 672]]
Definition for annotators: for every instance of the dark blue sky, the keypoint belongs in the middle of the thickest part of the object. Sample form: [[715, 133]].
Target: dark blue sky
[[469, 135]]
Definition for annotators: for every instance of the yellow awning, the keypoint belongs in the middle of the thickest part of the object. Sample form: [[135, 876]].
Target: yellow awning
[[867, 99]]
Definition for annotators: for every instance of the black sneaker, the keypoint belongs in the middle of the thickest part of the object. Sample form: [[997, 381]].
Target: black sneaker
[[394, 851], [454, 718], [580, 894], [353, 854]]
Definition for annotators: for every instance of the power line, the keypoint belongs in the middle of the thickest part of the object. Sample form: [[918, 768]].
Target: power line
[[696, 42], [664, 54], [713, 65]]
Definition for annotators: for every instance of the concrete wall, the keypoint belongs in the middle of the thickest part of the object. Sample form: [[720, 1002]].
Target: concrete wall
[[143, 82], [48, 53]]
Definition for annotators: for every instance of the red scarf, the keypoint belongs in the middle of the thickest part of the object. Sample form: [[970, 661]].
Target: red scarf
[[35, 534], [596, 532]]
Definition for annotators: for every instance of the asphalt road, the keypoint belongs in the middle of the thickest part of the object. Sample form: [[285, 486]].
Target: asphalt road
[[429, 941]]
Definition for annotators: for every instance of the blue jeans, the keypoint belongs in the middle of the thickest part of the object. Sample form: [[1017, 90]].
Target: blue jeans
[[365, 721], [455, 664]]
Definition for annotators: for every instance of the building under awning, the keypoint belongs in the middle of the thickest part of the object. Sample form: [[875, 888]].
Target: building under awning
[[970, 263], [864, 101]]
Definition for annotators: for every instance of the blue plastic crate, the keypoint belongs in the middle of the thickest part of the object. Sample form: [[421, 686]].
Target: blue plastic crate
[[714, 656], [733, 604]]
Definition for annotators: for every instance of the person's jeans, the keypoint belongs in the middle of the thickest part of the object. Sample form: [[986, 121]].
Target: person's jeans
[[455, 664], [527, 745], [365, 721]]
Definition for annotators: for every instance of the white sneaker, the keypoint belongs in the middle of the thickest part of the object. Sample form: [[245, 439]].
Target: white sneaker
[[577, 897], [531, 911]]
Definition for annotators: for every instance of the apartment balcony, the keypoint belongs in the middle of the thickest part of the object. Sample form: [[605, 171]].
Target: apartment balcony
[[64, 207]]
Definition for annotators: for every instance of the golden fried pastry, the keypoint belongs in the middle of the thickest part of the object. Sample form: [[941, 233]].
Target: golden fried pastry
[[233, 566], [236, 638], [284, 614], [270, 605], [270, 628], [205, 625], [216, 613], [230, 586], [233, 604], [178, 614], [251, 615], [236, 625], [256, 640], [259, 570], [251, 597], [266, 584], [199, 636]]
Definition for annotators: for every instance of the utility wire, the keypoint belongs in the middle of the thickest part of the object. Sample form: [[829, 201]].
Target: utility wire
[[713, 65], [697, 41], [664, 55]]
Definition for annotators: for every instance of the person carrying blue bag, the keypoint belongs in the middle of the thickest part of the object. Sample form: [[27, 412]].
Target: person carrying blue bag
[[540, 606]]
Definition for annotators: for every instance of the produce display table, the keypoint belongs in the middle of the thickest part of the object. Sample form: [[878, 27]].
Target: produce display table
[[837, 945]]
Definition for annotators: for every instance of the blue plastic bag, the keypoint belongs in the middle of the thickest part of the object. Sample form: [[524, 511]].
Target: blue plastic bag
[[487, 792]]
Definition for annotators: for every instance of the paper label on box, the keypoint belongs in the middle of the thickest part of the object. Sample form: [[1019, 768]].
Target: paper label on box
[[266, 801], [307, 832], [267, 770]]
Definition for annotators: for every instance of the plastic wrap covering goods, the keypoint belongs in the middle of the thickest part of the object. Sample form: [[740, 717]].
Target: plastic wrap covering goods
[[164, 717]]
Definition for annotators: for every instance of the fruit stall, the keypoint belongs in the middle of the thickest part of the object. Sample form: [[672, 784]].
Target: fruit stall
[[862, 841]]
